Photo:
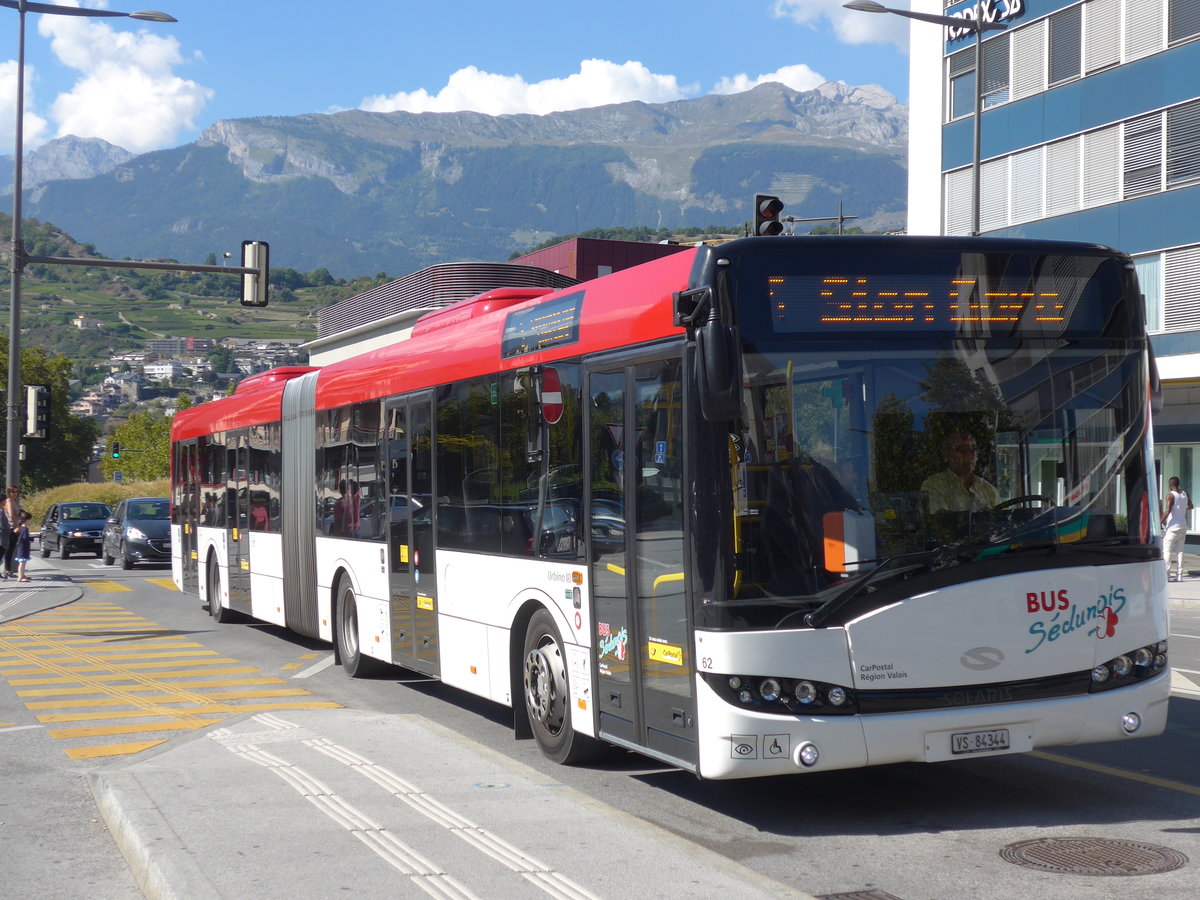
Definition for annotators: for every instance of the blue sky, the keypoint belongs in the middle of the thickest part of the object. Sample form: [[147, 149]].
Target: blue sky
[[148, 86]]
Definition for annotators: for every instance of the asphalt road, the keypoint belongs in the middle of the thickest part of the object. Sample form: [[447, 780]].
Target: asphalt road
[[908, 832]]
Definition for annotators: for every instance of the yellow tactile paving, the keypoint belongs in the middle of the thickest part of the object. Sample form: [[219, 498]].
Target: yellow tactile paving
[[93, 662]]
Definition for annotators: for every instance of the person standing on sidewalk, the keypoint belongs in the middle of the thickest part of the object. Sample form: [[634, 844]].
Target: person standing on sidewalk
[[12, 512], [24, 546], [1174, 520]]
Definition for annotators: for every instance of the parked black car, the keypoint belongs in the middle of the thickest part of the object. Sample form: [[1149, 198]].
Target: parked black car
[[139, 531], [73, 528]]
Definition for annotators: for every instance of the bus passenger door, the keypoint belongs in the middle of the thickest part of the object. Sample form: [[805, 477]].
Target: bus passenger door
[[237, 524], [643, 656], [412, 571], [187, 512]]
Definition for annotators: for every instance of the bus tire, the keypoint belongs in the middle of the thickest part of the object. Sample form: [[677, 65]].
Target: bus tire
[[213, 575], [547, 694], [349, 651]]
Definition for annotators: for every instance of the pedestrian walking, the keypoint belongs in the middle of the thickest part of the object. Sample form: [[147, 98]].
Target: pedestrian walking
[[1174, 521]]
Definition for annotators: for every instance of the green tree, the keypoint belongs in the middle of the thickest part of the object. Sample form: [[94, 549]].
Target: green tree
[[221, 359], [145, 441], [60, 458]]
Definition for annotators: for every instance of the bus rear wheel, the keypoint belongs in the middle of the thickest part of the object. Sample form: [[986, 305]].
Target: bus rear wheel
[[547, 694], [349, 651]]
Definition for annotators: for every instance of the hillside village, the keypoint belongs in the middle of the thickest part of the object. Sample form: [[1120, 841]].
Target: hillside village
[[154, 376]]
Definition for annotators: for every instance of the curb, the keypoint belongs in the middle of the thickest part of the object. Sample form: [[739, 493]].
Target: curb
[[162, 866]]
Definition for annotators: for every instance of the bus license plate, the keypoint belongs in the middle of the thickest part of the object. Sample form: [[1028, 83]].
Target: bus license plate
[[979, 741]]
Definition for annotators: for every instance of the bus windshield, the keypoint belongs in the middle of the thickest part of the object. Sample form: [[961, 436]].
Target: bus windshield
[[872, 467]]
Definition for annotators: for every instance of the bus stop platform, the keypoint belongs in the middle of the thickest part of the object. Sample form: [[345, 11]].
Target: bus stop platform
[[316, 803]]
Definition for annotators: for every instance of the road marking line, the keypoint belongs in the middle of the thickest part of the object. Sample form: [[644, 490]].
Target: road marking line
[[1119, 773], [316, 667], [100, 649], [107, 587], [130, 728], [110, 750], [537, 873]]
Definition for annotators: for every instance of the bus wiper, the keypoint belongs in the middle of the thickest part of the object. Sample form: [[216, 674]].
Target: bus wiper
[[890, 567]]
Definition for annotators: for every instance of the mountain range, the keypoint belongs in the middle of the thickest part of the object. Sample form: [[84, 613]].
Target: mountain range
[[358, 192]]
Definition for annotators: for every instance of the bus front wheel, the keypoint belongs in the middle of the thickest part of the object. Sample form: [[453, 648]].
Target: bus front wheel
[[349, 652], [547, 694]]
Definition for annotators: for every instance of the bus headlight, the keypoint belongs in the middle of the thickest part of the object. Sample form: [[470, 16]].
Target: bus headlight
[[769, 689], [783, 696], [1128, 668]]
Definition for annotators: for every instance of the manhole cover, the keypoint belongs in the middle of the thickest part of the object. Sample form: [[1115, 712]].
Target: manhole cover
[[1093, 856]]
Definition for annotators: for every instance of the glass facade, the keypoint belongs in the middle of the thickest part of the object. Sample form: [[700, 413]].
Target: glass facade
[[1090, 132]]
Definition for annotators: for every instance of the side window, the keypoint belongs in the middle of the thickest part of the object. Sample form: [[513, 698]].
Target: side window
[[470, 500], [349, 484]]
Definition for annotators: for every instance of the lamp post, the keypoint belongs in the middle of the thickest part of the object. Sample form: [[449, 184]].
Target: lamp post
[[976, 26], [13, 412]]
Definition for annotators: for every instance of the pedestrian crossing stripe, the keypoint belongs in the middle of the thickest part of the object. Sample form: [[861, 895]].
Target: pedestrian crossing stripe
[[96, 670]]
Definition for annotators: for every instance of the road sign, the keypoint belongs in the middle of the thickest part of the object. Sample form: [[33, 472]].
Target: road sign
[[551, 396]]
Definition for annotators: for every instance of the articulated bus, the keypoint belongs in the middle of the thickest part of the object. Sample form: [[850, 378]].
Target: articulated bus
[[780, 505]]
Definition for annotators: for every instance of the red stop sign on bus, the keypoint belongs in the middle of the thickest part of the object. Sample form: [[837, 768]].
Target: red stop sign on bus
[[551, 396]]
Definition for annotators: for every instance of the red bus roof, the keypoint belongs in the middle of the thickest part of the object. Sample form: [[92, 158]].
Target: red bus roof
[[627, 307], [630, 306]]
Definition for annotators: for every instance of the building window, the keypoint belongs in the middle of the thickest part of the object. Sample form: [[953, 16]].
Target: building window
[[994, 57], [961, 72], [1029, 60], [1183, 144], [1143, 28], [1101, 35], [1149, 274], [1065, 45], [1143, 156], [1181, 289], [1183, 20]]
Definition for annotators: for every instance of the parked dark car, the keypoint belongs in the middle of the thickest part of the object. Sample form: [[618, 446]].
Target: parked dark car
[[73, 528], [139, 531]]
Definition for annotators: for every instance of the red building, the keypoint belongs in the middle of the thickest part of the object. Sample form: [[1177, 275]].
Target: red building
[[587, 258]]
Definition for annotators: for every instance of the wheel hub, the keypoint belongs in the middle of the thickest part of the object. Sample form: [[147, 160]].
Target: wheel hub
[[545, 687]]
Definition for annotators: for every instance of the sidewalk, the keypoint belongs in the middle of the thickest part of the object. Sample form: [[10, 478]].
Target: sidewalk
[[377, 805], [1186, 594]]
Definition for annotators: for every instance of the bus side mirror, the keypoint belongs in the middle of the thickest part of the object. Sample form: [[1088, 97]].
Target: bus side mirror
[[719, 371]]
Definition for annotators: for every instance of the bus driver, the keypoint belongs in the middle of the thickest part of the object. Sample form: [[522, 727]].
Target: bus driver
[[957, 488]]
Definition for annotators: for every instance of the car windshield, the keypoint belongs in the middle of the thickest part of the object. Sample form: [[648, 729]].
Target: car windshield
[[85, 511], [148, 509]]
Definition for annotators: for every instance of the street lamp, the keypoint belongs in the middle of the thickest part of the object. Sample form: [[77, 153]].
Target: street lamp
[[975, 25], [13, 412]]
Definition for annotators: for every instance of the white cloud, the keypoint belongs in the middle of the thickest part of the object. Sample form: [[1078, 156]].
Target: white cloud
[[798, 77], [851, 27], [127, 92], [35, 126], [598, 82]]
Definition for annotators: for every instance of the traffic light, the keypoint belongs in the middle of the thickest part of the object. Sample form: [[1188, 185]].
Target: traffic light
[[766, 214], [116, 450], [37, 411], [255, 255]]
